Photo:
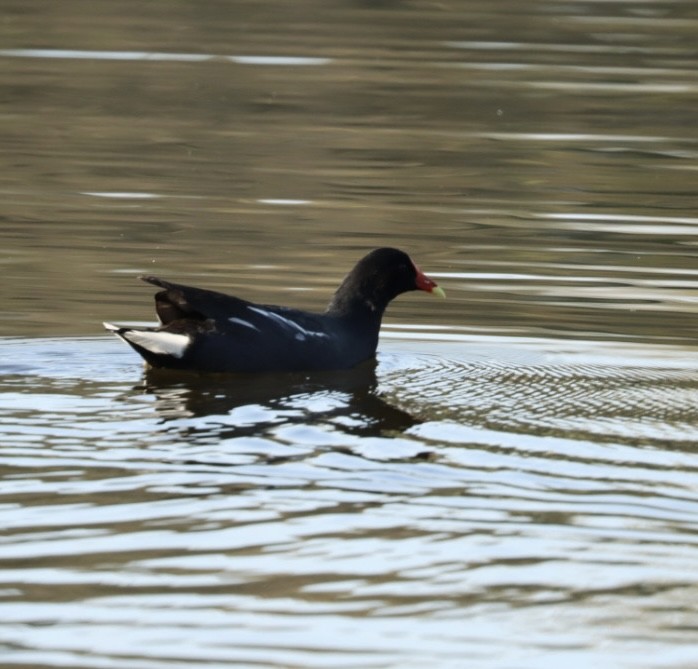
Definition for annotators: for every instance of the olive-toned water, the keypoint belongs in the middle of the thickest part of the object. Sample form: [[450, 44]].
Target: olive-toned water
[[513, 484]]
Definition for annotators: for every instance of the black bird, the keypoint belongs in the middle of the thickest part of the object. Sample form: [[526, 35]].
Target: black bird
[[207, 331]]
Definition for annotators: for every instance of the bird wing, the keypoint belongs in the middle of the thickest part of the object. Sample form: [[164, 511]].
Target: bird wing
[[271, 324], [178, 302]]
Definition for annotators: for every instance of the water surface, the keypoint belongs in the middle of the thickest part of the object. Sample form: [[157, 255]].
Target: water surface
[[513, 483]]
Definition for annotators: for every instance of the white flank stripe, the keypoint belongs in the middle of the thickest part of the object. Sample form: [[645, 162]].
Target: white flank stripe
[[164, 343], [287, 322], [239, 321]]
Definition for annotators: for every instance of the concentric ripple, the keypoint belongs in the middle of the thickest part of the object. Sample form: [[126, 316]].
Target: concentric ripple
[[629, 401]]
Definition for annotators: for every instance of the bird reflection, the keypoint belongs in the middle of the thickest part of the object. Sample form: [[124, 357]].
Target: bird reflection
[[347, 399]]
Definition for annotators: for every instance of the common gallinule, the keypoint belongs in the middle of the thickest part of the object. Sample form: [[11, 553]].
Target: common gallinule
[[207, 331]]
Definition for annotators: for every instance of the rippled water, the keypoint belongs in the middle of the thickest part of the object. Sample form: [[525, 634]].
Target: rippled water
[[514, 483]]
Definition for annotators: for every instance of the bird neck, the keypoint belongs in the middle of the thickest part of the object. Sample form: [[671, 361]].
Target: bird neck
[[357, 305]]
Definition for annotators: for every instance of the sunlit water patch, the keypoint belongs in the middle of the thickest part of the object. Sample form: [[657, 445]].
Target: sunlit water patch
[[459, 491]]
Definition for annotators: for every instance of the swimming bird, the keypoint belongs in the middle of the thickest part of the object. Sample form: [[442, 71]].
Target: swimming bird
[[208, 331]]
